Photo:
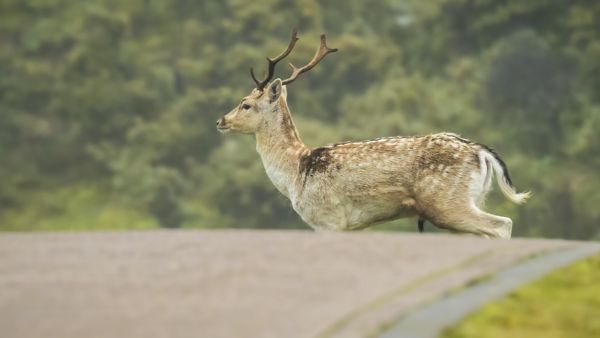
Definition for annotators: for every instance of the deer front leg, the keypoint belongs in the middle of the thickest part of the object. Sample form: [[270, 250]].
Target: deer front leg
[[421, 224]]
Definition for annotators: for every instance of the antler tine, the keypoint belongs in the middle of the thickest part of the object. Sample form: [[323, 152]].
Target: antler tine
[[319, 55], [260, 85]]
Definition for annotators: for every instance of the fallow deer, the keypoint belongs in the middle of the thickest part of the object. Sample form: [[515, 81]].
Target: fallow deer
[[442, 178]]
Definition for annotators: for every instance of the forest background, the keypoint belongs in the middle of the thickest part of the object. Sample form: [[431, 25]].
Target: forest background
[[107, 108]]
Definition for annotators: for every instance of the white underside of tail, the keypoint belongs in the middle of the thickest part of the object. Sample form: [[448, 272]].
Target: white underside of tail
[[492, 165]]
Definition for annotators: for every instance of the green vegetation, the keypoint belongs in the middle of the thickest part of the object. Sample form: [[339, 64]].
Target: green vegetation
[[566, 303], [107, 107]]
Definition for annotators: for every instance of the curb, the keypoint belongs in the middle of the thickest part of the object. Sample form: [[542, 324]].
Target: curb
[[430, 320]]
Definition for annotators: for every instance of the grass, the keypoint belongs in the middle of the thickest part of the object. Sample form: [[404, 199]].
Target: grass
[[72, 208], [565, 303]]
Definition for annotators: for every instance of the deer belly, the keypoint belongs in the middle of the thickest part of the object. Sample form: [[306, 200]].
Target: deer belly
[[361, 214], [338, 214]]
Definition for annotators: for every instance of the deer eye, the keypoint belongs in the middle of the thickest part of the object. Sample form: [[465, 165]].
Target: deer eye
[[245, 106]]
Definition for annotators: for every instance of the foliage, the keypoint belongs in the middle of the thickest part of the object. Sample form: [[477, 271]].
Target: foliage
[[565, 303], [113, 103], [78, 207]]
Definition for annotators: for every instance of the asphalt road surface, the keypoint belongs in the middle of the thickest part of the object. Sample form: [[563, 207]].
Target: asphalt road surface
[[235, 283]]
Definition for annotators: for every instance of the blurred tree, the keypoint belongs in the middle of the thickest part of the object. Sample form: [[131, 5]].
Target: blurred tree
[[526, 88], [107, 108]]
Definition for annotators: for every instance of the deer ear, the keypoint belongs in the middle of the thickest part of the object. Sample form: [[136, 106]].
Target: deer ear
[[275, 90]]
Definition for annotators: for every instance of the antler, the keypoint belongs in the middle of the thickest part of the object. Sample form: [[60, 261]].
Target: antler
[[319, 55], [260, 85]]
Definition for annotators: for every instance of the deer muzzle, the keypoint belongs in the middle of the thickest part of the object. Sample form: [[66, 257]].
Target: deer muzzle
[[222, 125]]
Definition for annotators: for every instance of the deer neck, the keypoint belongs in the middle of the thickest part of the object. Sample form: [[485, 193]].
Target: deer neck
[[280, 149]]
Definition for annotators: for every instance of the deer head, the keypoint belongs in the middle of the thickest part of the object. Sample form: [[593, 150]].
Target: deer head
[[258, 109]]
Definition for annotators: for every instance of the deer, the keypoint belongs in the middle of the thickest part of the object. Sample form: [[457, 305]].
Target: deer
[[442, 177]]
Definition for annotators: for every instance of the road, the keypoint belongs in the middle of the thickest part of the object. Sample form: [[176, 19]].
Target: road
[[235, 283]]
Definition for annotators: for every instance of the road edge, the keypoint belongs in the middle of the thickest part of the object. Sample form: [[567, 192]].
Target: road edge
[[430, 320]]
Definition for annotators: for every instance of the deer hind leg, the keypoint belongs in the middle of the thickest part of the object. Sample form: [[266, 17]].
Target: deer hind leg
[[488, 224], [473, 220], [477, 221], [459, 209]]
